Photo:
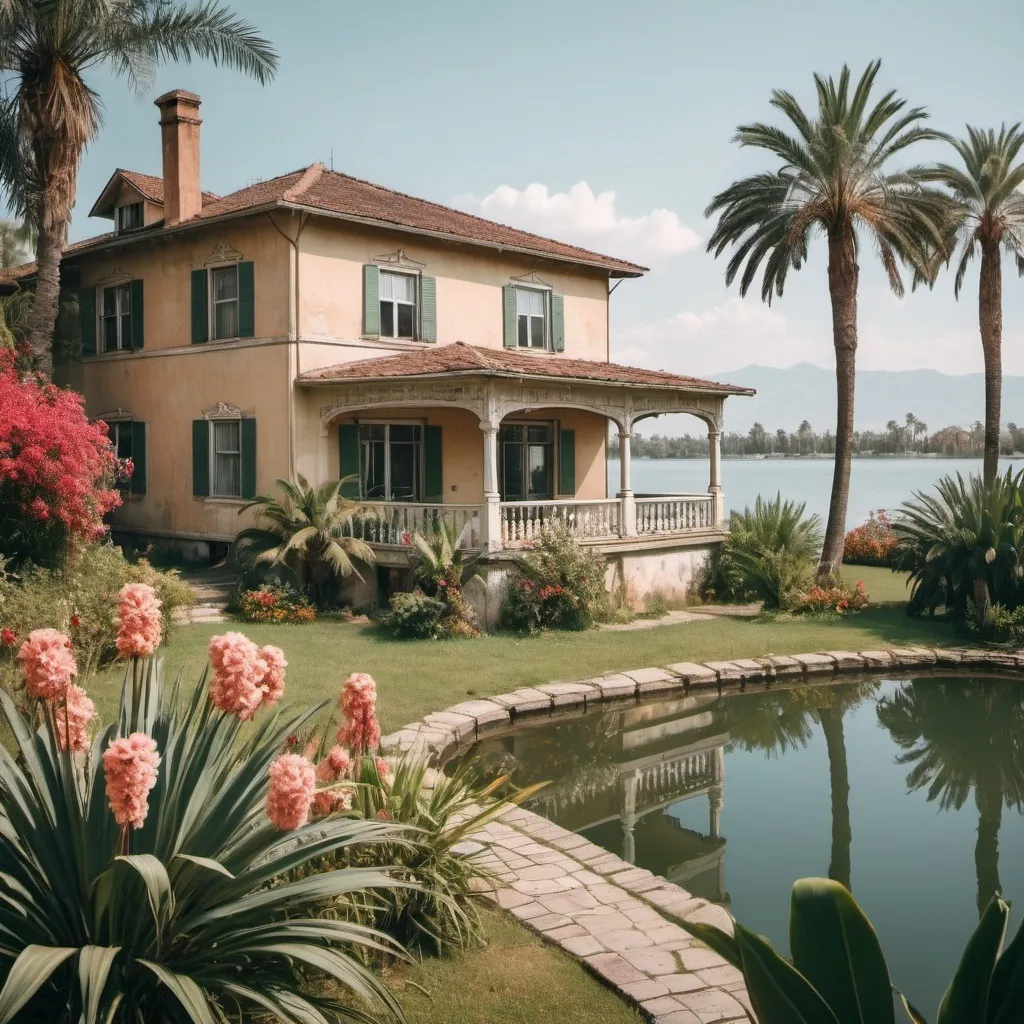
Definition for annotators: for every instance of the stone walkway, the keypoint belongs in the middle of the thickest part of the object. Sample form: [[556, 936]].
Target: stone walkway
[[623, 922], [212, 588]]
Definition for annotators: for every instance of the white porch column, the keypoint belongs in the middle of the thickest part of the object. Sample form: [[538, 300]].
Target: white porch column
[[715, 485], [492, 496], [627, 526], [628, 816]]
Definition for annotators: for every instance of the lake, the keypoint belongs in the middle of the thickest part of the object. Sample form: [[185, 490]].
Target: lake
[[874, 483]]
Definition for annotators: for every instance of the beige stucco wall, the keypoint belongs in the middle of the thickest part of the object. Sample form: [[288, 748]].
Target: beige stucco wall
[[469, 299], [164, 264], [168, 392]]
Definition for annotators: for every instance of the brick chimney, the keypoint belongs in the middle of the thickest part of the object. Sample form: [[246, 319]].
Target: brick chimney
[[179, 131]]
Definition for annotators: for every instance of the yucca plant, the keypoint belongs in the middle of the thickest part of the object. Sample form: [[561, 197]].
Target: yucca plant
[[310, 531], [201, 914], [838, 974], [770, 553], [443, 567], [963, 544]]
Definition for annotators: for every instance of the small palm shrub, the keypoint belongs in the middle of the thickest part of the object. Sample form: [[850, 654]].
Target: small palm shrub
[[871, 543], [309, 530], [963, 544], [838, 972], [559, 584], [443, 566], [274, 602], [81, 599], [769, 555], [415, 616], [155, 872]]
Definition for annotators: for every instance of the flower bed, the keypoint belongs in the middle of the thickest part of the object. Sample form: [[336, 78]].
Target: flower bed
[[871, 543], [275, 602], [837, 599]]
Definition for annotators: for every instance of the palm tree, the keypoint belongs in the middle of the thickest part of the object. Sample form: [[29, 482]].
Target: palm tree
[[832, 180], [960, 736], [893, 428], [986, 213], [309, 531], [51, 114]]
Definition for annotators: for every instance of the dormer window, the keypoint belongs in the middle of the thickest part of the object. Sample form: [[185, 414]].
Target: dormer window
[[129, 217]]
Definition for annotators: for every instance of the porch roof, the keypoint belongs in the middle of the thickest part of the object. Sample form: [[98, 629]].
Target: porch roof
[[464, 360]]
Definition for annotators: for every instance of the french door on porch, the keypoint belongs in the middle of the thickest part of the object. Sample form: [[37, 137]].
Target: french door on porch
[[526, 461]]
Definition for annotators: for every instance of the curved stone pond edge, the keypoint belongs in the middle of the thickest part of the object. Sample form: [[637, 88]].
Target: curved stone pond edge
[[622, 922]]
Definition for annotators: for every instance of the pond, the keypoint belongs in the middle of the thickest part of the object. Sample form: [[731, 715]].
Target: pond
[[910, 791]]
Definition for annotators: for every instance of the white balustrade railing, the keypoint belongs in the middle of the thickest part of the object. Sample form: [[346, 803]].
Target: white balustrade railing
[[523, 521], [393, 523], [674, 513]]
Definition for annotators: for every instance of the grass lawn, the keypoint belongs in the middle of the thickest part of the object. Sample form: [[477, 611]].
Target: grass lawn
[[517, 979], [415, 677]]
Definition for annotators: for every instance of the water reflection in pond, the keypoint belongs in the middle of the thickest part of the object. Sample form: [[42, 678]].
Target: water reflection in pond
[[910, 792]]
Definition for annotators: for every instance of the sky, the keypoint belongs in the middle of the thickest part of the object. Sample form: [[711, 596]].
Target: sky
[[608, 125]]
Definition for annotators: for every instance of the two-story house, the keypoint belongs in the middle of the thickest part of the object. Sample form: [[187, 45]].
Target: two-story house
[[444, 365]]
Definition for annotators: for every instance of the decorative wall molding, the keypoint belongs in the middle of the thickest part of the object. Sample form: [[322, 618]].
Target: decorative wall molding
[[116, 276], [118, 415], [223, 253], [398, 259], [226, 411], [531, 279]]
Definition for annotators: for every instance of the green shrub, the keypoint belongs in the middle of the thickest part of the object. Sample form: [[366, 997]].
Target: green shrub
[[81, 600], [198, 913], [559, 584], [273, 602], [838, 971], [963, 543], [414, 616], [443, 567], [769, 555]]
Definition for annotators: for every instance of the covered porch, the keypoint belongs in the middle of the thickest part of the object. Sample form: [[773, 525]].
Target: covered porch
[[501, 445]]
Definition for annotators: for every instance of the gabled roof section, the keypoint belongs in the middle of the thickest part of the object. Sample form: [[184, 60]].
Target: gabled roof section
[[149, 186], [469, 360]]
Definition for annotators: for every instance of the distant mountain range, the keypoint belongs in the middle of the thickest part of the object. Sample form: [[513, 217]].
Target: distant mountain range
[[805, 392]]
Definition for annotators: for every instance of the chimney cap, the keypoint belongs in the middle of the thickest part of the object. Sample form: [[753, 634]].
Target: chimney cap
[[176, 95]]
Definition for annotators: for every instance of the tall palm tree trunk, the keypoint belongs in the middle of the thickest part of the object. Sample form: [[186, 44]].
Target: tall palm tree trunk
[[839, 779], [843, 274], [990, 321], [46, 305], [988, 795]]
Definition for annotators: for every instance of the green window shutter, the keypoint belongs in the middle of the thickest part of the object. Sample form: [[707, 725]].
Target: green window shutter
[[248, 432], [566, 461], [428, 309], [508, 296], [87, 320], [139, 434], [246, 301], [558, 322], [201, 458], [138, 312], [371, 299], [200, 307], [348, 459], [433, 475]]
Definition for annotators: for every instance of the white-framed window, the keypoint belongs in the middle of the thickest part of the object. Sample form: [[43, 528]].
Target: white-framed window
[[116, 317], [129, 217], [390, 461], [226, 458], [224, 302], [531, 318], [397, 305]]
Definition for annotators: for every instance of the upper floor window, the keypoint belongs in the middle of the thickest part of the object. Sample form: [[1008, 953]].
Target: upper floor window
[[531, 318], [397, 305], [116, 318], [224, 295], [129, 217]]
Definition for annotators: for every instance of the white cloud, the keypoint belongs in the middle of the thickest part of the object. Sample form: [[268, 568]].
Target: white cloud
[[735, 333], [588, 219]]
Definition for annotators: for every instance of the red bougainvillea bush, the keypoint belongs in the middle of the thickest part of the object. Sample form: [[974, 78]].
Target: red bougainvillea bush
[[56, 469], [871, 543]]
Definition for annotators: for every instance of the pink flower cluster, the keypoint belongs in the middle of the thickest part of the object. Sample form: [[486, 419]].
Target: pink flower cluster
[[360, 730], [72, 716], [130, 768], [138, 621], [291, 793], [327, 801], [245, 677], [337, 763], [47, 664]]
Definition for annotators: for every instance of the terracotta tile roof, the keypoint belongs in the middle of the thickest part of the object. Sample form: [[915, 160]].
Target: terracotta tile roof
[[148, 185], [487, 362], [28, 269]]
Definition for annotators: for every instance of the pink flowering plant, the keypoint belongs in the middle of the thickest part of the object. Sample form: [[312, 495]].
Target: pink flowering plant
[[167, 865]]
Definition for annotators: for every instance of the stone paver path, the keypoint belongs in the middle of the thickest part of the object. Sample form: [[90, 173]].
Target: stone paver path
[[621, 921], [212, 588]]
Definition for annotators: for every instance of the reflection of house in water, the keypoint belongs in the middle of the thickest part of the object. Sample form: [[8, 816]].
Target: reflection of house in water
[[622, 796]]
